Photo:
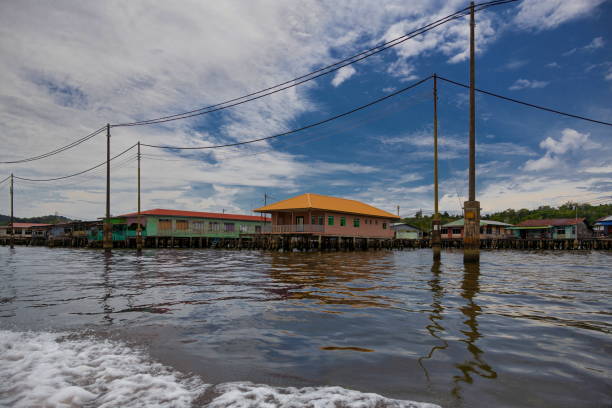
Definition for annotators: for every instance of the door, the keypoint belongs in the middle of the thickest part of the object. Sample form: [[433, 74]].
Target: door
[[300, 224]]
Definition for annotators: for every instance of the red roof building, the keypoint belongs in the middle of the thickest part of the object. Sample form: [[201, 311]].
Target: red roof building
[[194, 214]]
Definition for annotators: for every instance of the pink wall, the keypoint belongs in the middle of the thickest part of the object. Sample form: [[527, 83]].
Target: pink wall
[[369, 227]]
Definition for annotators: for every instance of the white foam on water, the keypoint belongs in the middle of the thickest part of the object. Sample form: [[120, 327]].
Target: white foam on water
[[247, 395], [53, 370], [46, 370]]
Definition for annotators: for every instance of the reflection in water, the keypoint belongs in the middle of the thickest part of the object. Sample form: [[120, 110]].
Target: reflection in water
[[435, 328], [469, 289], [107, 286], [355, 280], [299, 319]]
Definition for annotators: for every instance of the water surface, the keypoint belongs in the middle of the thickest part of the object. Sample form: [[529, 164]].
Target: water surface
[[521, 329]]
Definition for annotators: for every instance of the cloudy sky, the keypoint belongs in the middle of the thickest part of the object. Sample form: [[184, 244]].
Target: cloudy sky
[[69, 67]]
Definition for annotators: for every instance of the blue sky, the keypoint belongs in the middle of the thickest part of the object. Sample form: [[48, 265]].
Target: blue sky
[[74, 67]]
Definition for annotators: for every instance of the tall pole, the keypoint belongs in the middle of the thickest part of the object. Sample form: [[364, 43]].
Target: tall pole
[[139, 227], [471, 208], [108, 232], [12, 239], [435, 233]]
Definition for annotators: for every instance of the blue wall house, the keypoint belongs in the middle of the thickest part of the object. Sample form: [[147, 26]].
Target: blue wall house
[[603, 227]]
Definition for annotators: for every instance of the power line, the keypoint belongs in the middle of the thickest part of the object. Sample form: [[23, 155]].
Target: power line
[[287, 84], [374, 102], [317, 73], [80, 172], [369, 118], [58, 150], [571, 115]]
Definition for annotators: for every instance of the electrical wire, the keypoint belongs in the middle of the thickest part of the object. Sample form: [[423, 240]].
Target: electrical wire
[[58, 150], [374, 102], [5, 179], [317, 73], [81, 172], [332, 132], [571, 115], [291, 83]]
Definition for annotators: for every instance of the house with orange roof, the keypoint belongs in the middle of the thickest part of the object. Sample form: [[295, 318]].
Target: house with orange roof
[[316, 214]]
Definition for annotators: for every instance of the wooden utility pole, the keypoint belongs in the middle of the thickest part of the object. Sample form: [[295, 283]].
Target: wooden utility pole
[[139, 227], [471, 208], [435, 233], [107, 243], [12, 239]]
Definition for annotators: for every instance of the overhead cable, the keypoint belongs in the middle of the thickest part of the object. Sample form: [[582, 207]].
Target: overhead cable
[[59, 149], [571, 115], [392, 94], [317, 73], [80, 172]]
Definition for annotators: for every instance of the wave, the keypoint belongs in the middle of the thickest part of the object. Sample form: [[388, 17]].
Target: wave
[[42, 369]]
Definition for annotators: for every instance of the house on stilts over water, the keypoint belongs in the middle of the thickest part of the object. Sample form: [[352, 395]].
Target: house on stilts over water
[[318, 221]]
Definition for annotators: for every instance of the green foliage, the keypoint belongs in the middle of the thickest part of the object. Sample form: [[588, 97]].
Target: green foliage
[[591, 212], [423, 222], [567, 210], [45, 219]]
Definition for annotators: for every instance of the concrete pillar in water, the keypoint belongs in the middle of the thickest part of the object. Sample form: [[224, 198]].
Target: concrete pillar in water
[[471, 238]]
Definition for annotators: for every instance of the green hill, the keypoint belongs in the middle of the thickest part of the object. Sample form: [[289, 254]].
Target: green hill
[[45, 219]]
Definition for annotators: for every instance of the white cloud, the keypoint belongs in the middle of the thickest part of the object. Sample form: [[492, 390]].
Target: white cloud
[[531, 192], [527, 83], [570, 140], [547, 14], [343, 74], [598, 42], [545, 162], [553, 65], [514, 64]]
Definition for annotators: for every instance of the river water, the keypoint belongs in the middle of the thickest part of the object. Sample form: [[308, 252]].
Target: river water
[[223, 328]]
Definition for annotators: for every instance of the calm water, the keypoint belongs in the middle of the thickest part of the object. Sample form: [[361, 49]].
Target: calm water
[[524, 329]]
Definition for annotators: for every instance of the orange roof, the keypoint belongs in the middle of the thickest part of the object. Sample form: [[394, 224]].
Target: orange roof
[[197, 214], [321, 202]]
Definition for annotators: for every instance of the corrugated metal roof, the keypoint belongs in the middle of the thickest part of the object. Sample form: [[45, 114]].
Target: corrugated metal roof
[[555, 222], [27, 225], [605, 219], [321, 202], [460, 222], [196, 214]]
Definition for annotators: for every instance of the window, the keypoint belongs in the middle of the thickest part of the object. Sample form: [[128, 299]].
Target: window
[[28, 232], [182, 225], [489, 230], [356, 222], [321, 219], [244, 228], [330, 220], [376, 222], [258, 229], [165, 224], [313, 220], [384, 225], [456, 231], [229, 227], [214, 227], [197, 226], [343, 221], [444, 230]]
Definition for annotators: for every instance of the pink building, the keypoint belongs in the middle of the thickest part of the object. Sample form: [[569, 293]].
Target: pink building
[[317, 214]]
